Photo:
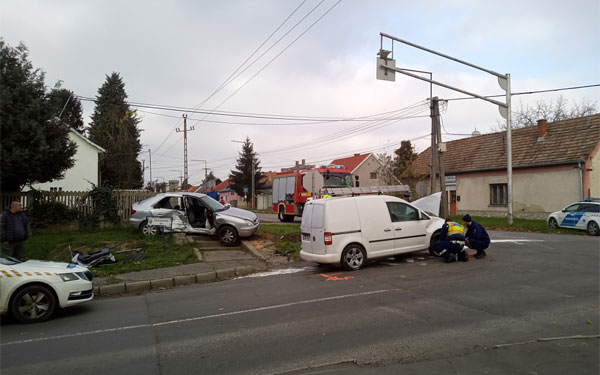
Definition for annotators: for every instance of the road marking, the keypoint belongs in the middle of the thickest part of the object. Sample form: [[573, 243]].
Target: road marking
[[282, 271], [516, 241], [204, 317]]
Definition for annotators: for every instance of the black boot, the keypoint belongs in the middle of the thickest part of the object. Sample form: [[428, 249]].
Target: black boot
[[463, 256], [480, 254]]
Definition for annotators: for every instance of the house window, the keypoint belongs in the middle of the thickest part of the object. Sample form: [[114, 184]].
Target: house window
[[498, 194], [373, 175]]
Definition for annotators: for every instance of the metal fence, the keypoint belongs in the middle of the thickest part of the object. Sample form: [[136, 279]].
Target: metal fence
[[78, 200]]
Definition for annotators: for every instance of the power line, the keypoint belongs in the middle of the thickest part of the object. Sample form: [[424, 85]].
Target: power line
[[530, 92]]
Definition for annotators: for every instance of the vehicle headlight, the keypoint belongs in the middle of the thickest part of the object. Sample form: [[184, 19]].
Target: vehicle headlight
[[68, 276], [249, 223]]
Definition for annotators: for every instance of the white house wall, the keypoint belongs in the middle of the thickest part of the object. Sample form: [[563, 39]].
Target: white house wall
[[83, 173], [363, 171], [536, 191]]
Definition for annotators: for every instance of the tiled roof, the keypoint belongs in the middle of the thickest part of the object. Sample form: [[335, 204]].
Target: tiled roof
[[222, 186], [350, 163], [565, 141], [192, 188]]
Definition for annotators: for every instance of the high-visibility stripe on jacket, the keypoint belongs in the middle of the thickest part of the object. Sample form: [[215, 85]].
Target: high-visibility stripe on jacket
[[455, 228]]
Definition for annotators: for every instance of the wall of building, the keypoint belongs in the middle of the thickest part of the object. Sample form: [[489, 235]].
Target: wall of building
[[83, 173], [536, 191], [363, 171]]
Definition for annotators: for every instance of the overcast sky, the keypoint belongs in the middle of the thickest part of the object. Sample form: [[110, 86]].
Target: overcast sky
[[177, 53]]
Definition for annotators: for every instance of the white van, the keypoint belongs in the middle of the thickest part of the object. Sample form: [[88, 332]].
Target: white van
[[350, 230]]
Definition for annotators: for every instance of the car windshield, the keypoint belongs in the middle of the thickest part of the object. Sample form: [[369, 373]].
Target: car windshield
[[336, 180], [7, 260], [212, 204]]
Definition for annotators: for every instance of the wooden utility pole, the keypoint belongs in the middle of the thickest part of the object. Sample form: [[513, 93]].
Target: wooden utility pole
[[438, 136], [184, 183]]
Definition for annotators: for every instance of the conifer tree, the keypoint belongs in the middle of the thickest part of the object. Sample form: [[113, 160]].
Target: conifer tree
[[242, 177], [34, 145], [114, 127]]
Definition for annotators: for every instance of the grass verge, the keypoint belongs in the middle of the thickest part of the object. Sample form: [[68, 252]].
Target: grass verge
[[519, 225], [55, 247], [285, 237]]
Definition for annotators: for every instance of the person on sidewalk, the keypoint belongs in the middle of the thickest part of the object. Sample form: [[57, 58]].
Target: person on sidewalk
[[476, 237], [15, 231], [451, 244]]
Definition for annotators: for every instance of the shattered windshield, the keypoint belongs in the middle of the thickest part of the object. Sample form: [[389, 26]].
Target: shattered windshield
[[212, 204]]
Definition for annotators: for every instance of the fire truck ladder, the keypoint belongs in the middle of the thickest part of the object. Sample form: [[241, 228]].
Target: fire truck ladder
[[362, 190]]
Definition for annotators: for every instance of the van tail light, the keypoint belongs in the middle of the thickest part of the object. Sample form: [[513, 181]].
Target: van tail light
[[132, 211], [328, 239]]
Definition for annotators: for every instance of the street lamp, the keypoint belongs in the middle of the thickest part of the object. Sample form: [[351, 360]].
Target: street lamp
[[384, 65]]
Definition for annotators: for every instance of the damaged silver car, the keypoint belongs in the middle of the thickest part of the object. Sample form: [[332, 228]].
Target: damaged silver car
[[193, 213]]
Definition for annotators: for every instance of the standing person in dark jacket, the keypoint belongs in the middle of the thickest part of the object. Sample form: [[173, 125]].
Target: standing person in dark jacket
[[15, 230], [476, 237]]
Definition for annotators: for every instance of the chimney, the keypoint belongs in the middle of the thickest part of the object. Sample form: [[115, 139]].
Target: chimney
[[303, 161], [542, 129], [356, 154], [296, 163]]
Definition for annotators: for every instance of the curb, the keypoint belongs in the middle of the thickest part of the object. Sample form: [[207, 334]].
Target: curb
[[252, 250], [140, 287]]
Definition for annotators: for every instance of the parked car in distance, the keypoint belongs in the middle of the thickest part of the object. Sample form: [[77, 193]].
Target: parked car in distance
[[193, 213], [350, 230], [32, 290], [579, 215]]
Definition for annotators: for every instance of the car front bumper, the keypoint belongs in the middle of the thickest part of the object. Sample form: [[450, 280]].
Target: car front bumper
[[247, 231], [74, 292]]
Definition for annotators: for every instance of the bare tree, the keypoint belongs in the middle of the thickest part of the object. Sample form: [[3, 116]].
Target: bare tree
[[527, 115]]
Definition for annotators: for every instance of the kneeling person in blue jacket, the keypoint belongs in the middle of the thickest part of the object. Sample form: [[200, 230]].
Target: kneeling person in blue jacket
[[451, 245], [476, 237]]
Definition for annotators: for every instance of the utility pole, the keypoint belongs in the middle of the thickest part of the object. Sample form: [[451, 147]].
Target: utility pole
[[184, 183], [432, 169], [151, 180], [438, 141], [253, 177]]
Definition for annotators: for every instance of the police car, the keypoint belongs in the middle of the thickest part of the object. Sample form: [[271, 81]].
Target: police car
[[32, 290], [580, 215]]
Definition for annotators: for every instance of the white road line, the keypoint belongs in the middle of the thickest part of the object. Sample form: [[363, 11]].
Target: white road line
[[282, 271], [516, 240], [178, 321]]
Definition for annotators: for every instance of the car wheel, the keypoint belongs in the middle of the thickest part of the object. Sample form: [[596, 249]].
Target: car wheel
[[552, 223], [32, 304], [148, 230], [592, 228], [228, 236], [434, 237], [353, 257]]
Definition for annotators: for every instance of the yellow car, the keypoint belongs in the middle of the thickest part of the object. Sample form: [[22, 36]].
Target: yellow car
[[32, 290]]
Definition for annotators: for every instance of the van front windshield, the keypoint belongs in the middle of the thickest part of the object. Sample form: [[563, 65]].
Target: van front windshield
[[336, 180]]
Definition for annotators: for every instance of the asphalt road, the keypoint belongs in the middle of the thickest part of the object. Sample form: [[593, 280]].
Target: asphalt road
[[411, 315]]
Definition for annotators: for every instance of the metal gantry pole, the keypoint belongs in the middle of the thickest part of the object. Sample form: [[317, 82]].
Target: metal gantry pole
[[509, 195], [185, 161]]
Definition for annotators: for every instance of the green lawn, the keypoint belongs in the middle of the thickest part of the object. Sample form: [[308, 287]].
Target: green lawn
[[519, 225], [286, 237], [55, 247]]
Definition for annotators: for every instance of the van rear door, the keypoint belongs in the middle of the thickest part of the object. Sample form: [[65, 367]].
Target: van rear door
[[313, 228]]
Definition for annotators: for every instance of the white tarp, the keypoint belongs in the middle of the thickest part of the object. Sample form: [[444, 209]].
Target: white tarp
[[430, 203]]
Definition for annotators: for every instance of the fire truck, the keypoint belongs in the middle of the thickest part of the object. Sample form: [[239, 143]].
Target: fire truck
[[289, 195]]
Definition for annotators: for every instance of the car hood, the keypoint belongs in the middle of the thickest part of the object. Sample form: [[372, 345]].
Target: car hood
[[239, 213], [46, 266]]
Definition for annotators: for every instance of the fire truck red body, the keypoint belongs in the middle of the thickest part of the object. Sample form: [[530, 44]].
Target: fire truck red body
[[289, 196]]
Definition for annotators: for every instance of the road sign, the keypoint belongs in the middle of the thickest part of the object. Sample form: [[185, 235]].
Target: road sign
[[312, 181]]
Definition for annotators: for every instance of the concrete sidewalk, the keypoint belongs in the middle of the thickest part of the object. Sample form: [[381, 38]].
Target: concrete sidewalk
[[215, 263]]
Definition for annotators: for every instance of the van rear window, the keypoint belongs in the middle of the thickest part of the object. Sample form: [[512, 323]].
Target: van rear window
[[307, 216], [317, 216]]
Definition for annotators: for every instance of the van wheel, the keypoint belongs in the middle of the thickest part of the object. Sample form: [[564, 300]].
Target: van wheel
[[434, 237], [593, 229], [32, 304], [353, 257], [228, 236]]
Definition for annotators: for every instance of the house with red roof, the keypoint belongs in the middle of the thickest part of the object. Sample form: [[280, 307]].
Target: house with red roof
[[366, 170], [554, 164]]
